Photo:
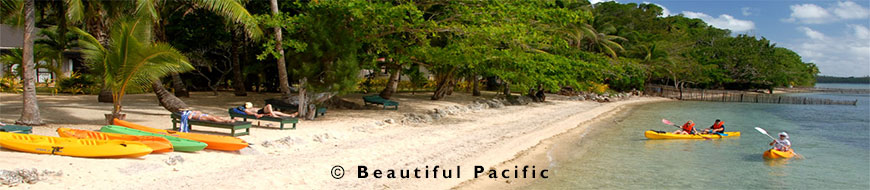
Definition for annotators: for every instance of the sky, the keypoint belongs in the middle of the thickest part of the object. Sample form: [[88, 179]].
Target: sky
[[833, 34]]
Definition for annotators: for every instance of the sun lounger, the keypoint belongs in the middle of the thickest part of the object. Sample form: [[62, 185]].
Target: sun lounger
[[17, 129], [375, 99], [176, 118], [281, 120]]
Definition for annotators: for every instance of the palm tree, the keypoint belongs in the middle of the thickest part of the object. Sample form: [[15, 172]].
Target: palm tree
[[282, 70], [230, 9], [602, 42], [130, 61], [30, 110], [99, 14], [585, 37], [42, 58]]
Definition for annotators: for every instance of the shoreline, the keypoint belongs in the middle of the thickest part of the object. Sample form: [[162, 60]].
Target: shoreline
[[302, 158], [541, 153]]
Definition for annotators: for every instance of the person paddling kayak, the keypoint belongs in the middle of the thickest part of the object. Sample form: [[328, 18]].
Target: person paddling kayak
[[781, 144], [717, 127], [687, 129]]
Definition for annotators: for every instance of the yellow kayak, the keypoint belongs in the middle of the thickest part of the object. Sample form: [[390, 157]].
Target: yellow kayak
[[665, 135], [774, 154], [89, 148]]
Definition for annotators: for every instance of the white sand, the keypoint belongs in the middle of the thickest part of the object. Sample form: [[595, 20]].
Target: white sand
[[343, 137]]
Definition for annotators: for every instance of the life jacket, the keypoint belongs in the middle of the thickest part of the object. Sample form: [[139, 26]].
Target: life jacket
[[688, 127], [718, 125]]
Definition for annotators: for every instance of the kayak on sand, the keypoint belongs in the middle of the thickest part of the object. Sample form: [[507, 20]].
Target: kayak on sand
[[88, 148], [158, 144], [179, 144], [665, 135], [214, 142]]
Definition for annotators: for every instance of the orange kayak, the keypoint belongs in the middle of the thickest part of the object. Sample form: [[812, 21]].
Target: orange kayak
[[774, 154], [158, 144], [214, 142]]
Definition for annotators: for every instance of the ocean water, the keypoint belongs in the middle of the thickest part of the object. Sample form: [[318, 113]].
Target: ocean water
[[834, 141]]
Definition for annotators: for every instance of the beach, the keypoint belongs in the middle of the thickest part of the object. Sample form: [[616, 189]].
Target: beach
[[303, 158]]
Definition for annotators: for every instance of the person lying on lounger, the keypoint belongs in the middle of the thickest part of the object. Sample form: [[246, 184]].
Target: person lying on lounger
[[249, 109], [198, 115]]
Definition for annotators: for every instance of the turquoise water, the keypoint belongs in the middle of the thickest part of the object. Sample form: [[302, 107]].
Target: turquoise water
[[835, 141]]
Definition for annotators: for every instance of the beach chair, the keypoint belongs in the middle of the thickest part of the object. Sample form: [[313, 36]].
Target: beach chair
[[17, 129], [239, 125], [281, 120], [375, 99]]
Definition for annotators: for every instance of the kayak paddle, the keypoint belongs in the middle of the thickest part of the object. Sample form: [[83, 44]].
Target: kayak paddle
[[762, 131], [665, 121]]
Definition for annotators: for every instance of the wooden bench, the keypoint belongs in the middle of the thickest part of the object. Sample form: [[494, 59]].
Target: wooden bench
[[17, 129], [281, 120], [176, 119], [375, 99]]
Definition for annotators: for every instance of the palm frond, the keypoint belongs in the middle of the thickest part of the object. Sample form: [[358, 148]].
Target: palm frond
[[234, 11], [75, 10], [12, 12], [145, 8]]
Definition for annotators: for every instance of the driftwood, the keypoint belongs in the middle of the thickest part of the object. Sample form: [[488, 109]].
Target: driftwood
[[324, 99]]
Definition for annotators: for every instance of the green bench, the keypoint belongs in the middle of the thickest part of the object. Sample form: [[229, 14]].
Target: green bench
[[17, 129], [176, 119], [281, 120], [375, 99]]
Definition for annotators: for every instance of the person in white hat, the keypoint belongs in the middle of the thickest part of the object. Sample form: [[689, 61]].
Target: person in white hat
[[782, 144]]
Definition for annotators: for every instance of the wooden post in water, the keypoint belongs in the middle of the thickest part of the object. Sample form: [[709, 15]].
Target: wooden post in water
[[780, 100], [741, 97]]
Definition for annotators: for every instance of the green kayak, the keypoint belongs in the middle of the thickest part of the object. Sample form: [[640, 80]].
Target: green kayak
[[178, 144]]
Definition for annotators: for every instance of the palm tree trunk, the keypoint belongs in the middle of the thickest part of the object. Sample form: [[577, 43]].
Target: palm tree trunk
[[166, 99], [392, 84], [97, 28], [238, 80], [178, 85], [282, 69], [30, 110]]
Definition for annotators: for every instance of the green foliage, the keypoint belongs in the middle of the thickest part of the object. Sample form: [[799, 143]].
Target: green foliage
[[10, 84], [832, 79], [131, 61], [79, 84], [553, 43]]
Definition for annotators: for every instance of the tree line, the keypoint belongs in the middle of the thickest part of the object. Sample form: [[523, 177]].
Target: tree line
[[313, 50]]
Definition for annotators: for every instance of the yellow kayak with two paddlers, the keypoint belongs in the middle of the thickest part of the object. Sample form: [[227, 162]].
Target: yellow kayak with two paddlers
[[651, 134]]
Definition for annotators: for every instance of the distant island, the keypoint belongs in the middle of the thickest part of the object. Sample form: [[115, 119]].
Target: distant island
[[832, 79]]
